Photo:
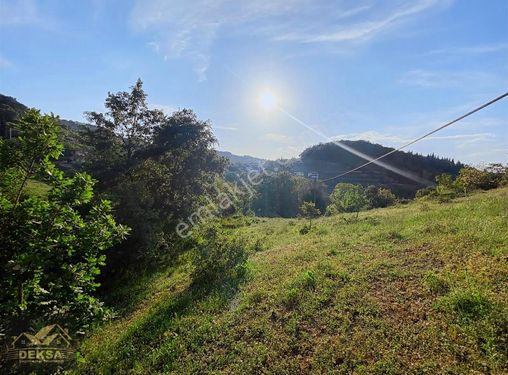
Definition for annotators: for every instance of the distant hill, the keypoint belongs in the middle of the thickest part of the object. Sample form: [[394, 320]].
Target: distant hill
[[325, 159], [11, 109], [244, 160], [329, 160]]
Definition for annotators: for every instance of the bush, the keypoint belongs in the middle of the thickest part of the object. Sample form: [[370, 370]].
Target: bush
[[426, 192], [379, 197], [347, 198], [219, 258], [304, 230]]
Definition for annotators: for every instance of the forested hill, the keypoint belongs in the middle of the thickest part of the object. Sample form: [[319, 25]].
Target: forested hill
[[326, 159], [329, 160], [10, 109]]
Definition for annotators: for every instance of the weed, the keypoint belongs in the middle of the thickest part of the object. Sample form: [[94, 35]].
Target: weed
[[469, 304], [436, 283]]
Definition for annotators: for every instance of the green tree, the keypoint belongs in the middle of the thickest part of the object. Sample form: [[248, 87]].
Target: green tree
[[156, 167], [309, 211], [347, 198], [379, 197], [470, 178], [52, 247]]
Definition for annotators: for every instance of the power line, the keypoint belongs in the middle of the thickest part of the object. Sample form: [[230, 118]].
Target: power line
[[422, 137]]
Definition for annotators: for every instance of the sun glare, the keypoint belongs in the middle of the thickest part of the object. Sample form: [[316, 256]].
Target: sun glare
[[268, 100]]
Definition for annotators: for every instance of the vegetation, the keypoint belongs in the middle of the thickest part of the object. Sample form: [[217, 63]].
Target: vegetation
[[347, 198], [53, 242], [327, 159], [415, 288], [418, 288], [156, 168], [281, 195], [309, 211]]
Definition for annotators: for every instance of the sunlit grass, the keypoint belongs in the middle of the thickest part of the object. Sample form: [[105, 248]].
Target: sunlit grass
[[419, 288]]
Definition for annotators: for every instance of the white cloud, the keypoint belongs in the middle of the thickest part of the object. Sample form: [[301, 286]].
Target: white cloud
[[188, 29]]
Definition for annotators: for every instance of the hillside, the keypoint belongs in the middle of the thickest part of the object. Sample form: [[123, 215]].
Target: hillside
[[326, 159], [412, 289]]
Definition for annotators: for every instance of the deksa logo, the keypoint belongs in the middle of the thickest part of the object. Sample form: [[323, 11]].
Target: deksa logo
[[50, 344]]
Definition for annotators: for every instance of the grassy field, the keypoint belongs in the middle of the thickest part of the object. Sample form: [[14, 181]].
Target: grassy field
[[414, 289]]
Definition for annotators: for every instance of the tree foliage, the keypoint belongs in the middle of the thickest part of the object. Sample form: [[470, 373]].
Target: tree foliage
[[282, 194], [347, 198], [379, 197], [309, 211], [53, 246], [155, 167]]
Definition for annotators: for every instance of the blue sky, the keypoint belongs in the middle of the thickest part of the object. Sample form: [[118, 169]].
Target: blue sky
[[385, 71]]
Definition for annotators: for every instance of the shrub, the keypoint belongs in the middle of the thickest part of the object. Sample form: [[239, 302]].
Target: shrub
[[380, 197], [309, 211], [347, 198], [304, 230], [218, 257], [426, 192]]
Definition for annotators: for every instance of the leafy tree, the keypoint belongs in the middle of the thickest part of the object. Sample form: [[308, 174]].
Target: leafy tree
[[158, 168], [446, 186], [282, 194], [30, 153], [379, 197], [309, 211], [470, 179], [347, 198], [52, 247], [121, 133]]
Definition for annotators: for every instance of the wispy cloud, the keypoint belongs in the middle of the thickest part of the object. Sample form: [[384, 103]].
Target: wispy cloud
[[390, 139], [468, 50], [185, 29], [446, 79], [362, 30]]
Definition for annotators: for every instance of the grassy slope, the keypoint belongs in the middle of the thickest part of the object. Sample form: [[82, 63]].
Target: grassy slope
[[420, 288]]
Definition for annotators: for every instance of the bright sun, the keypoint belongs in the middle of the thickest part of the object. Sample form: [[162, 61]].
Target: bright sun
[[268, 100]]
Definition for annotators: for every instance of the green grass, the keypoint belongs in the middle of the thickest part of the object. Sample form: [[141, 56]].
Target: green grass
[[415, 289]]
